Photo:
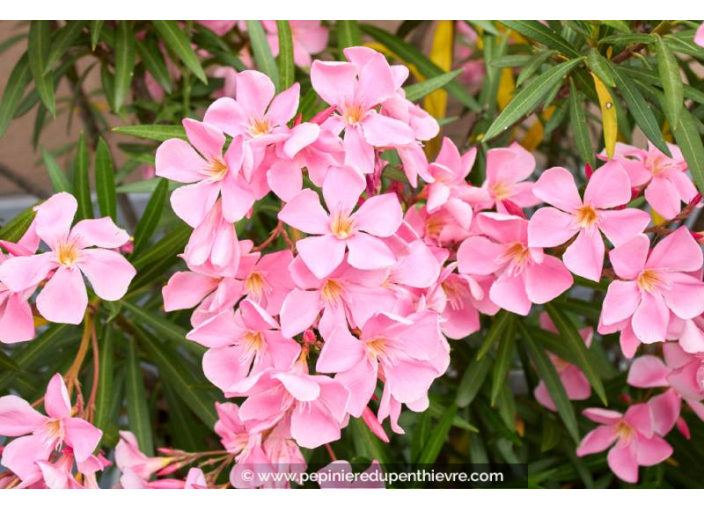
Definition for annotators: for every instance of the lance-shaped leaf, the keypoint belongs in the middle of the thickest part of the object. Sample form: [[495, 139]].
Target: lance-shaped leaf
[[419, 90], [150, 219], [104, 394], [137, 410], [262, 51], [609, 116], [502, 319], [580, 128], [176, 40], [157, 132], [14, 89], [125, 59], [287, 68], [59, 180], [438, 437], [105, 181], [472, 381], [348, 34], [154, 62], [502, 362], [690, 143], [62, 41], [671, 82], [81, 181], [543, 34], [38, 47]]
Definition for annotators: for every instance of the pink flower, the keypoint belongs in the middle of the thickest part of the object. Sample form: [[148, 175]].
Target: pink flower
[[447, 226], [449, 172], [16, 319], [129, 456], [525, 275], [309, 38], [64, 297], [506, 170], [347, 295], [194, 480], [609, 187], [575, 382], [242, 345], [636, 441], [355, 89], [213, 247], [48, 433], [360, 232], [665, 179], [654, 284], [207, 172], [408, 354], [317, 404], [699, 36]]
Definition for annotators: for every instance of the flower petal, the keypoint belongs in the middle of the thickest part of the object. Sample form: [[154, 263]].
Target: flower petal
[[64, 298]]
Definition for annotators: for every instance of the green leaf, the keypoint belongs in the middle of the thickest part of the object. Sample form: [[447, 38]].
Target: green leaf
[[63, 40], [502, 319], [527, 98], [195, 391], [154, 263], [262, 51], [150, 219], [437, 439], [137, 410], [580, 127], [14, 90], [104, 393], [535, 63], [514, 60], [600, 66], [38, 49], [671, 82], [640, 110], [105, 181], [504, 354], [543, 34], [81, 181], [14, 229], [472, 381], [59, 180], [419, 90], [546, 371], [421, 431], [287, 68], [495, 421], [43, 342], [176, 40], [625, 40], [366, 444], [436, 409], [551, 434], [690, 143], [619, 25], [154, 62], [157, 252], [348, 34], [146, 186], [425, 66], [125, 59], [187, 432], [7, 363], [157, 132], [96, 26], [575, 343]]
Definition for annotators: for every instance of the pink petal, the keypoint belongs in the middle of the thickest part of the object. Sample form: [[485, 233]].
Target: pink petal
[[556, 187], [176, 160], [603, 416], [608, 187], [108, 272], [54, 218], [334, 81], [186, 289], [575, 383], [82, 437], [255, 91], [629, 258], [237, 198], [622, 461], [312, 427], [101, 232], [226, 366], [359, 154], [509, 165], [16, 319], [666, 409], [341, 189], [597, 440], [509, 292], [648, 372], [662, 195], [621, 301], [368, 252], [20, 455], [193, 202], [380, 215], [361, 380], [301, 387], [623, 225], [550, 227], [651, 318], [56, 400], [382, 131], [652, 451], [301, 136], [677, 252], [585, 256], [321, 254], [22, 273], [284, 106], [17, 417], [227, 115], [304, 212], [699, 36], [299, 311], [64, 298], [207, 139], [546, 281], [478, 255], [341, 352], [685, 296]]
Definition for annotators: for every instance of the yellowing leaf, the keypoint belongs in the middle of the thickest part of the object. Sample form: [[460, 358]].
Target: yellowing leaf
[[657, 219], [534, 136], [507, 86], [441, 55], [608, 116]]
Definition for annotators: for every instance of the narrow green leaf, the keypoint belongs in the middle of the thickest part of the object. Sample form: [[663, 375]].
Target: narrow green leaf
[[7, 363], [150, 219], [156, 252], [546, 371], [421, 432], [535, 63], [437, 439], [287, 68], [501, 320], [14, 229], [160, 257], [421, 89], [63, 40], [580, 127], [188, 433], [96, 26], [551, 433], [619, 25], [671, 82], [81, 181], [262, 51], [176, 40], [528, 98], [514, 60], [436, 409], [545, 35], [640, 109], [472, 381], [105, 181], [59, 180], [154, 62], [502, 362], [495, 421], [107, 80], [425, 66], [600, 66], [38, 50], [348, 34], [14, 90], [625, 40], [104, 395], [43, 343], [125, 59], [195, 391], [690, 143], [157, 132], [574, 341], [137, 410]]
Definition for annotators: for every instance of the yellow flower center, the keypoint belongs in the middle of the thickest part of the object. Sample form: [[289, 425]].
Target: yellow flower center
[[342, 226], [501, 191], [217, 169], [256, 286], [378, 348], [354, 114], [253, 341], [68, 253], [259, 127], [624, 431], [649, 280], [586, 216], [456, 293], [331, 291], [518, 253]]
